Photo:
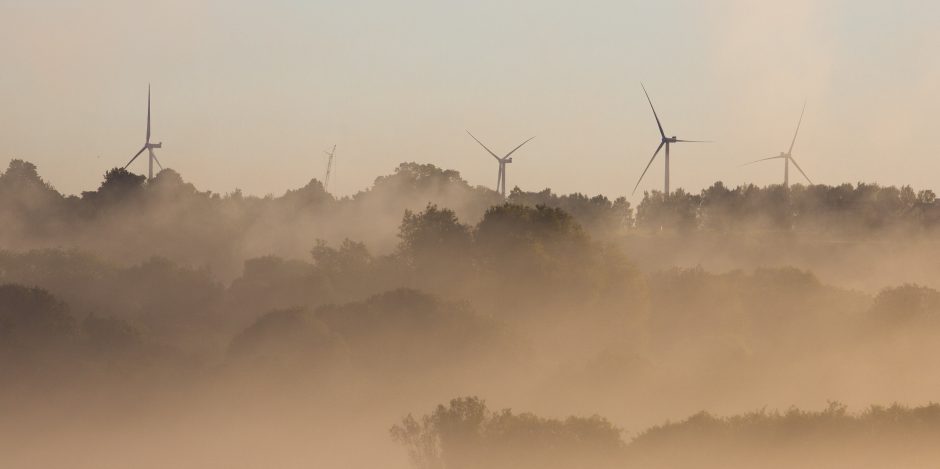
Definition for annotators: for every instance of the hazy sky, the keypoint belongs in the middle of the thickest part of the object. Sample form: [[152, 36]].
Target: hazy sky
[[249, 94]]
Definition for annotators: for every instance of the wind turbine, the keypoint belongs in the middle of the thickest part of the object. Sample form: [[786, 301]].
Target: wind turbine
[[147, 145], [788, 156], [665, 142], [501, 179], [329, 167]]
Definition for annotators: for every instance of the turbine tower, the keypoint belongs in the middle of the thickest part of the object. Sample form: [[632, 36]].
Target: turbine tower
[[501, 179], [329, 167], [665, 142], [147, 145], [788, 156]]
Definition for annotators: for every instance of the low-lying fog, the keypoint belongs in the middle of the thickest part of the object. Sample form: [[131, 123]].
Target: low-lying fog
[[425, 323]]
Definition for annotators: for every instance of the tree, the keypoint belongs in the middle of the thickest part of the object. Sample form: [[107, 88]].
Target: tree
[[926, 197], [110, 338], [513, 226], [466, 434], [525, 243], [31, 319], [597, 214], [170, 184], [311, 196], [27, 202], [22, 176], [411, 177], [350, 270], [906, 304], [351, 258], [273, 283], [424, 331], [434, 241], [413, 185], [674, 211], [287, 340], [119, 185]]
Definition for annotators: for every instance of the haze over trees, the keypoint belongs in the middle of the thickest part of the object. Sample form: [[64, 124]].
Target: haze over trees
[[466, 433], [296, 329]]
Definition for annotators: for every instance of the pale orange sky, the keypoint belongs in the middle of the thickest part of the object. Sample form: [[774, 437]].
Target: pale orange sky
[[248, 95]]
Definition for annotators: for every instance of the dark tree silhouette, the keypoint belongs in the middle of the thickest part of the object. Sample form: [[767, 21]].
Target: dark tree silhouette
[[597, 214], [118, 184], [31, 319], [110, 338], [907, 304], [290, 340], [466, 434], [436, 244]]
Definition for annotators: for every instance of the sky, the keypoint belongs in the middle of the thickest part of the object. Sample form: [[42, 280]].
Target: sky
[[248, 95]]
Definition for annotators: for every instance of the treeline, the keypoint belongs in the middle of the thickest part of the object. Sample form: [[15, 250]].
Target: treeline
[[44, 340], [844, 210], [529, 272], [129, 218], [424, 286], [460, 302], [516, 263], [466, 433], [452, 301]]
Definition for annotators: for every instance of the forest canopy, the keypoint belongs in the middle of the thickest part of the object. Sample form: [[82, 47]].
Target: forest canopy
[[156, 302]]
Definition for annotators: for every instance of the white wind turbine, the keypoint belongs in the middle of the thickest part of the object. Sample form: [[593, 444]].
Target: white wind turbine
[[329, 167], [501, 179], [147, 145], [788, 156], [666, 141]]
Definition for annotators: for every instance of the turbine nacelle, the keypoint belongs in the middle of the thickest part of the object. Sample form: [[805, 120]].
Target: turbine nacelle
[[507, 160], [155, 145]]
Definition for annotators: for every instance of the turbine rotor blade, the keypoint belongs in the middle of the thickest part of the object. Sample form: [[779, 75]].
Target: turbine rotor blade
[[148, 112], [800, 122], [658, 124], [660, 147], [135, 157], [696, 141], [801, 170], [482, 145], [764, 159], [514, 149], [158, 162]]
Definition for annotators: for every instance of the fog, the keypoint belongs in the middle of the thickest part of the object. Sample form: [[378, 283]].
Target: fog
[[423, 322]]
